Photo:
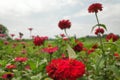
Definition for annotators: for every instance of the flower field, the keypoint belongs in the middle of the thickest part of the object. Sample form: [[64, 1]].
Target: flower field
[[63, 58]]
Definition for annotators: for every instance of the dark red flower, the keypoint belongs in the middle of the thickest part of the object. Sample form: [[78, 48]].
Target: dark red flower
[[112, 37], [62, 35], [12, 35], [65, 69], [6, 42], [38, 41], [50, 50], [20, 59], [78, 47], [8, 75], [94, 8], [99, 31], [64, 24], [30, 29], [95, 46], [11, 66]]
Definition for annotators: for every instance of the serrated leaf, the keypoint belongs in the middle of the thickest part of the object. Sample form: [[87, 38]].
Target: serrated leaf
[[71, 52]]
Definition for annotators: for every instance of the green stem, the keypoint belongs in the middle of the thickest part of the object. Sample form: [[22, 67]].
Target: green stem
[[101, 43], [66, 33]]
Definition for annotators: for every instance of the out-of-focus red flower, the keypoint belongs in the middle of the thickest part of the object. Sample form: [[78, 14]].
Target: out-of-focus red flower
[[20, 59], [11, 66], [116, 54], [23, 51], [8, 76], [78, 47], [6, 42], [94, 8], [112, 37], [30, 29], [62, 35], [12, 35], [64, 24], [27, 67], [38, 41], [65, 69], [99, 31], [17, 39], [91, 51], [50, 50], [14, 45], [2, 35], [95, 46]]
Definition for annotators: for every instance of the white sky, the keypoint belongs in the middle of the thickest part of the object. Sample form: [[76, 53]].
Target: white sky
[[43, 16]]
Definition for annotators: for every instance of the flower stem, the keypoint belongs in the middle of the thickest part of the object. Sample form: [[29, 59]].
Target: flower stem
[[102, 48]]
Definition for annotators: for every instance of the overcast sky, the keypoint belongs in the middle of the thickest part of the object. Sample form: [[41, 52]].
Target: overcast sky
[[43, 16]]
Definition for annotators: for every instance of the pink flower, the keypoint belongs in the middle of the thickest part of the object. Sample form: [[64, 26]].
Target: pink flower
[[2, 35], [64, 24], [94, 8], [20, 59], [27, 67]]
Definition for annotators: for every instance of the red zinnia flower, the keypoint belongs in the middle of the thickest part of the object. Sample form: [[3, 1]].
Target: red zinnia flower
[[112, 36], [65, 69], [94, 8], [50, 50], [99, 30], [21, 59], [62, 35], [64, 24], [78, 47], [8, 75], [10, 66], [38, 41]]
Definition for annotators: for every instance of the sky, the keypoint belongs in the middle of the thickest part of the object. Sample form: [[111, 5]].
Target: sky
[[43, 16]]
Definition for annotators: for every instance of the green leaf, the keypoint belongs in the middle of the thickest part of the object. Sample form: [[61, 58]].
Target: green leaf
[[71, 52], [101, 25], [100, 63]]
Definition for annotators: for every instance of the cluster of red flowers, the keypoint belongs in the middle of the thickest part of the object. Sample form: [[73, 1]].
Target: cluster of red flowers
[[65, 69], [64, 24], [50, 50], [78, 47], [94, 8], [38, 41], [112, 37], [21, 59], [99, 31]]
